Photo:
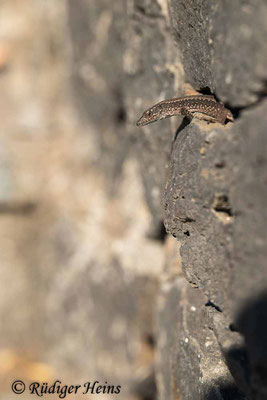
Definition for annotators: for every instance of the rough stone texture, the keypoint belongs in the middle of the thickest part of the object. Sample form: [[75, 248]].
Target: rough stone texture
[[80, 270], [216, 39], [206, 211], [213, 203], [216, 190], [152, 69], [189, 361]]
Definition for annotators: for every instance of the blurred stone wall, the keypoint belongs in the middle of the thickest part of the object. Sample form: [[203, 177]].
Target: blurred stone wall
[[93, 288]]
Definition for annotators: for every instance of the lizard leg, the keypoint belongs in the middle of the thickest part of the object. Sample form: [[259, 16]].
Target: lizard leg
[[185, 112], [204, 117]]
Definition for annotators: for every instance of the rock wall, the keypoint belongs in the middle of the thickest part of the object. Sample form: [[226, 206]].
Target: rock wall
[[212, 180], [215, 191], [136, 255]]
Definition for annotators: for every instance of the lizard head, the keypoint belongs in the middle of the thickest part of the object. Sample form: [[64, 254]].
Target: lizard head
[[147, 117]]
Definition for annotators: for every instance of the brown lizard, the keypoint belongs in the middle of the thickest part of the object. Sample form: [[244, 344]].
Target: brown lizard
[[200, 106]]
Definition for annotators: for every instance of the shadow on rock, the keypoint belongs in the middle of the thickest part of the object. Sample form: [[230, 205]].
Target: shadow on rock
[[146, 388], [223, 391], [186, 121], [248, 362]]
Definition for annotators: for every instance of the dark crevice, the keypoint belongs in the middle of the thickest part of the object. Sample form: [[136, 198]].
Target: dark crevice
[[224, 391], [120, 112], [187, 233], [184, 219], [220, 164], [236, 111], [158, 232], [206, 90], [146, 389], [233, 328], [150, 340], [211, 304], [187, 219], [121, 115], [186, 121], [143, 11], [221, 204]]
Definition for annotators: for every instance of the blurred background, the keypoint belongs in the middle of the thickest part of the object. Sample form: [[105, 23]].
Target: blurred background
[[79, 268]]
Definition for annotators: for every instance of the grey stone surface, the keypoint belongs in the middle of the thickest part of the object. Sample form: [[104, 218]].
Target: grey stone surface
[[216, 191], [189, 206], [97, 42], [190, 23], [212, 202], [215, 205], [151, 68], [189, 364], [207, 198], [113, 79], [223, 47]]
